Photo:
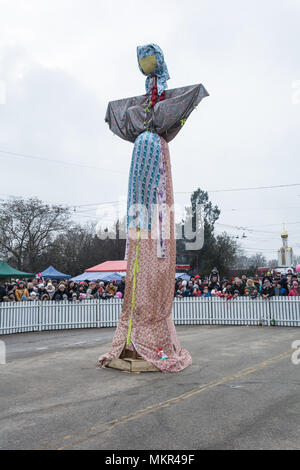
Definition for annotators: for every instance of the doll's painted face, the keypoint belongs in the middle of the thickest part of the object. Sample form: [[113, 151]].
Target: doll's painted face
[[148, 64]]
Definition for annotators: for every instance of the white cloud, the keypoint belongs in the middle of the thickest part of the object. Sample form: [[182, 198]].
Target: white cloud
[[62, 61]]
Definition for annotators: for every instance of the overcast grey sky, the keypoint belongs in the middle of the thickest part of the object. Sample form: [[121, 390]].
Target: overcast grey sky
[[61, 61]]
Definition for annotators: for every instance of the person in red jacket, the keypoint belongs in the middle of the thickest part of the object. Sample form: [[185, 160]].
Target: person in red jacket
[[295, 291]]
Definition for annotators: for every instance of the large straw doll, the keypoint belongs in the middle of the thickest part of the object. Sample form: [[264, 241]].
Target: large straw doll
[[146, 329]]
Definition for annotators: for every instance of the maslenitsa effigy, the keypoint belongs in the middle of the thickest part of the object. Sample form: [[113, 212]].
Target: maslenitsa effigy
[[150, 121]]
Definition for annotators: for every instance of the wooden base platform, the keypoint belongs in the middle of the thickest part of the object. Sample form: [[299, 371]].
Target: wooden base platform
[[132, 365]]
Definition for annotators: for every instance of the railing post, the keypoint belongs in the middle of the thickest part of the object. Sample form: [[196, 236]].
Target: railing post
[[40, 315], [268, 312]]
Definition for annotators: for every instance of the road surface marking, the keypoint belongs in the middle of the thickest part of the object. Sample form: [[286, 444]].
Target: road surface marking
[[109, 425]]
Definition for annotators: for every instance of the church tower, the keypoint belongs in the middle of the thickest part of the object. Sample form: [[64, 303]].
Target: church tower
[[285, 253]]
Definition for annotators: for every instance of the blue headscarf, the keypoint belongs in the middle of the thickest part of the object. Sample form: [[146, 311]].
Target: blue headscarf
[[161, 70]]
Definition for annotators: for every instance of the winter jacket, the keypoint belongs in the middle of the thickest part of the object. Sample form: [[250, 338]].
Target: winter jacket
[[294, 292], [3, 293], [121, 287], [111, 290], [19, 293], [280, 291], [267, 291], [59, 295], [240, 288], [214, 285]]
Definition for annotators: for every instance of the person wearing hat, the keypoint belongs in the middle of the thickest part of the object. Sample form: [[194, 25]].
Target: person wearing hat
[[188, 292], [196, 291], [214, 283], [45, 297], [111, 289], [3, 292], [267, 290], [236, 293], [122, 285], [279, 290], [11, 297], [180, 292], [237, 286], [206, 292], [50, 290], [254, 293], [33, 297], [295, 291], [21, 292], [60, 294], [198, 281]]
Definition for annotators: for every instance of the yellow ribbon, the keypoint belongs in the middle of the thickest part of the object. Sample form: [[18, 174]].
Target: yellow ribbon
[[135, 272]]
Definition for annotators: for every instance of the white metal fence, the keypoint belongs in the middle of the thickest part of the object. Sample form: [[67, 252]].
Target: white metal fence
[[19, 317]]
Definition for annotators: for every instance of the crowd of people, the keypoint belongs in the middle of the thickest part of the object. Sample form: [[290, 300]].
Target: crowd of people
[[287, 284], [39, 289]]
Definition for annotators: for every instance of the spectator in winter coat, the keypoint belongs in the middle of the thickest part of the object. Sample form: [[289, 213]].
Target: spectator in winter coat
[[188, 292], [206, 292], [214, 284], [237, 286], [41, 290], [250, 285], [121, 286], [50, 290], [93, 286], [180, 292], [33, 297], [214, 273], [111, 290], [295, 291], [279, 290], [236, 293], [21, 293], [3, 293], [254, 294], [196, 291], [45, 297], [267, 290], [60, 294], [101, 288]]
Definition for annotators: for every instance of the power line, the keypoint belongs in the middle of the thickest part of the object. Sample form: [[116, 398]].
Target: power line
[[243, 189], [82, 165], [60, 162], [256, 188], [260, 209], [269, 225]]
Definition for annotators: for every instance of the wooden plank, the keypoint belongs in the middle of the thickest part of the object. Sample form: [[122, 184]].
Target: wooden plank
[[140, 365], [119, 364]]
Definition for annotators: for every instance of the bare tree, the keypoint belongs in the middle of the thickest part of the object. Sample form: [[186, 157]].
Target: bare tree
[[28, 228]]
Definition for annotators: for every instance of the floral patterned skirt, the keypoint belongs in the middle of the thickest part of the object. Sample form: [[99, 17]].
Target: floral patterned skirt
[[147, 305]]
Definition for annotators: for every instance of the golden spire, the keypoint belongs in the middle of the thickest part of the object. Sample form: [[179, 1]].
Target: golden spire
[[284, 233]]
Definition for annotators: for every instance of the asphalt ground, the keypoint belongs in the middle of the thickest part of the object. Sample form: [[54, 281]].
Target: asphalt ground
[[241, 392]]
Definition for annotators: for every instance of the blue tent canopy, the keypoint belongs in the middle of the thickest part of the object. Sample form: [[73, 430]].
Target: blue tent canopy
[[112, 277], [183, 276], [52, 273], [109, 276]]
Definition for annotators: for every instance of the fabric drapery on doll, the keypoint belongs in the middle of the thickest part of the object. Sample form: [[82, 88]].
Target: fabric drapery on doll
[[126, 118]]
